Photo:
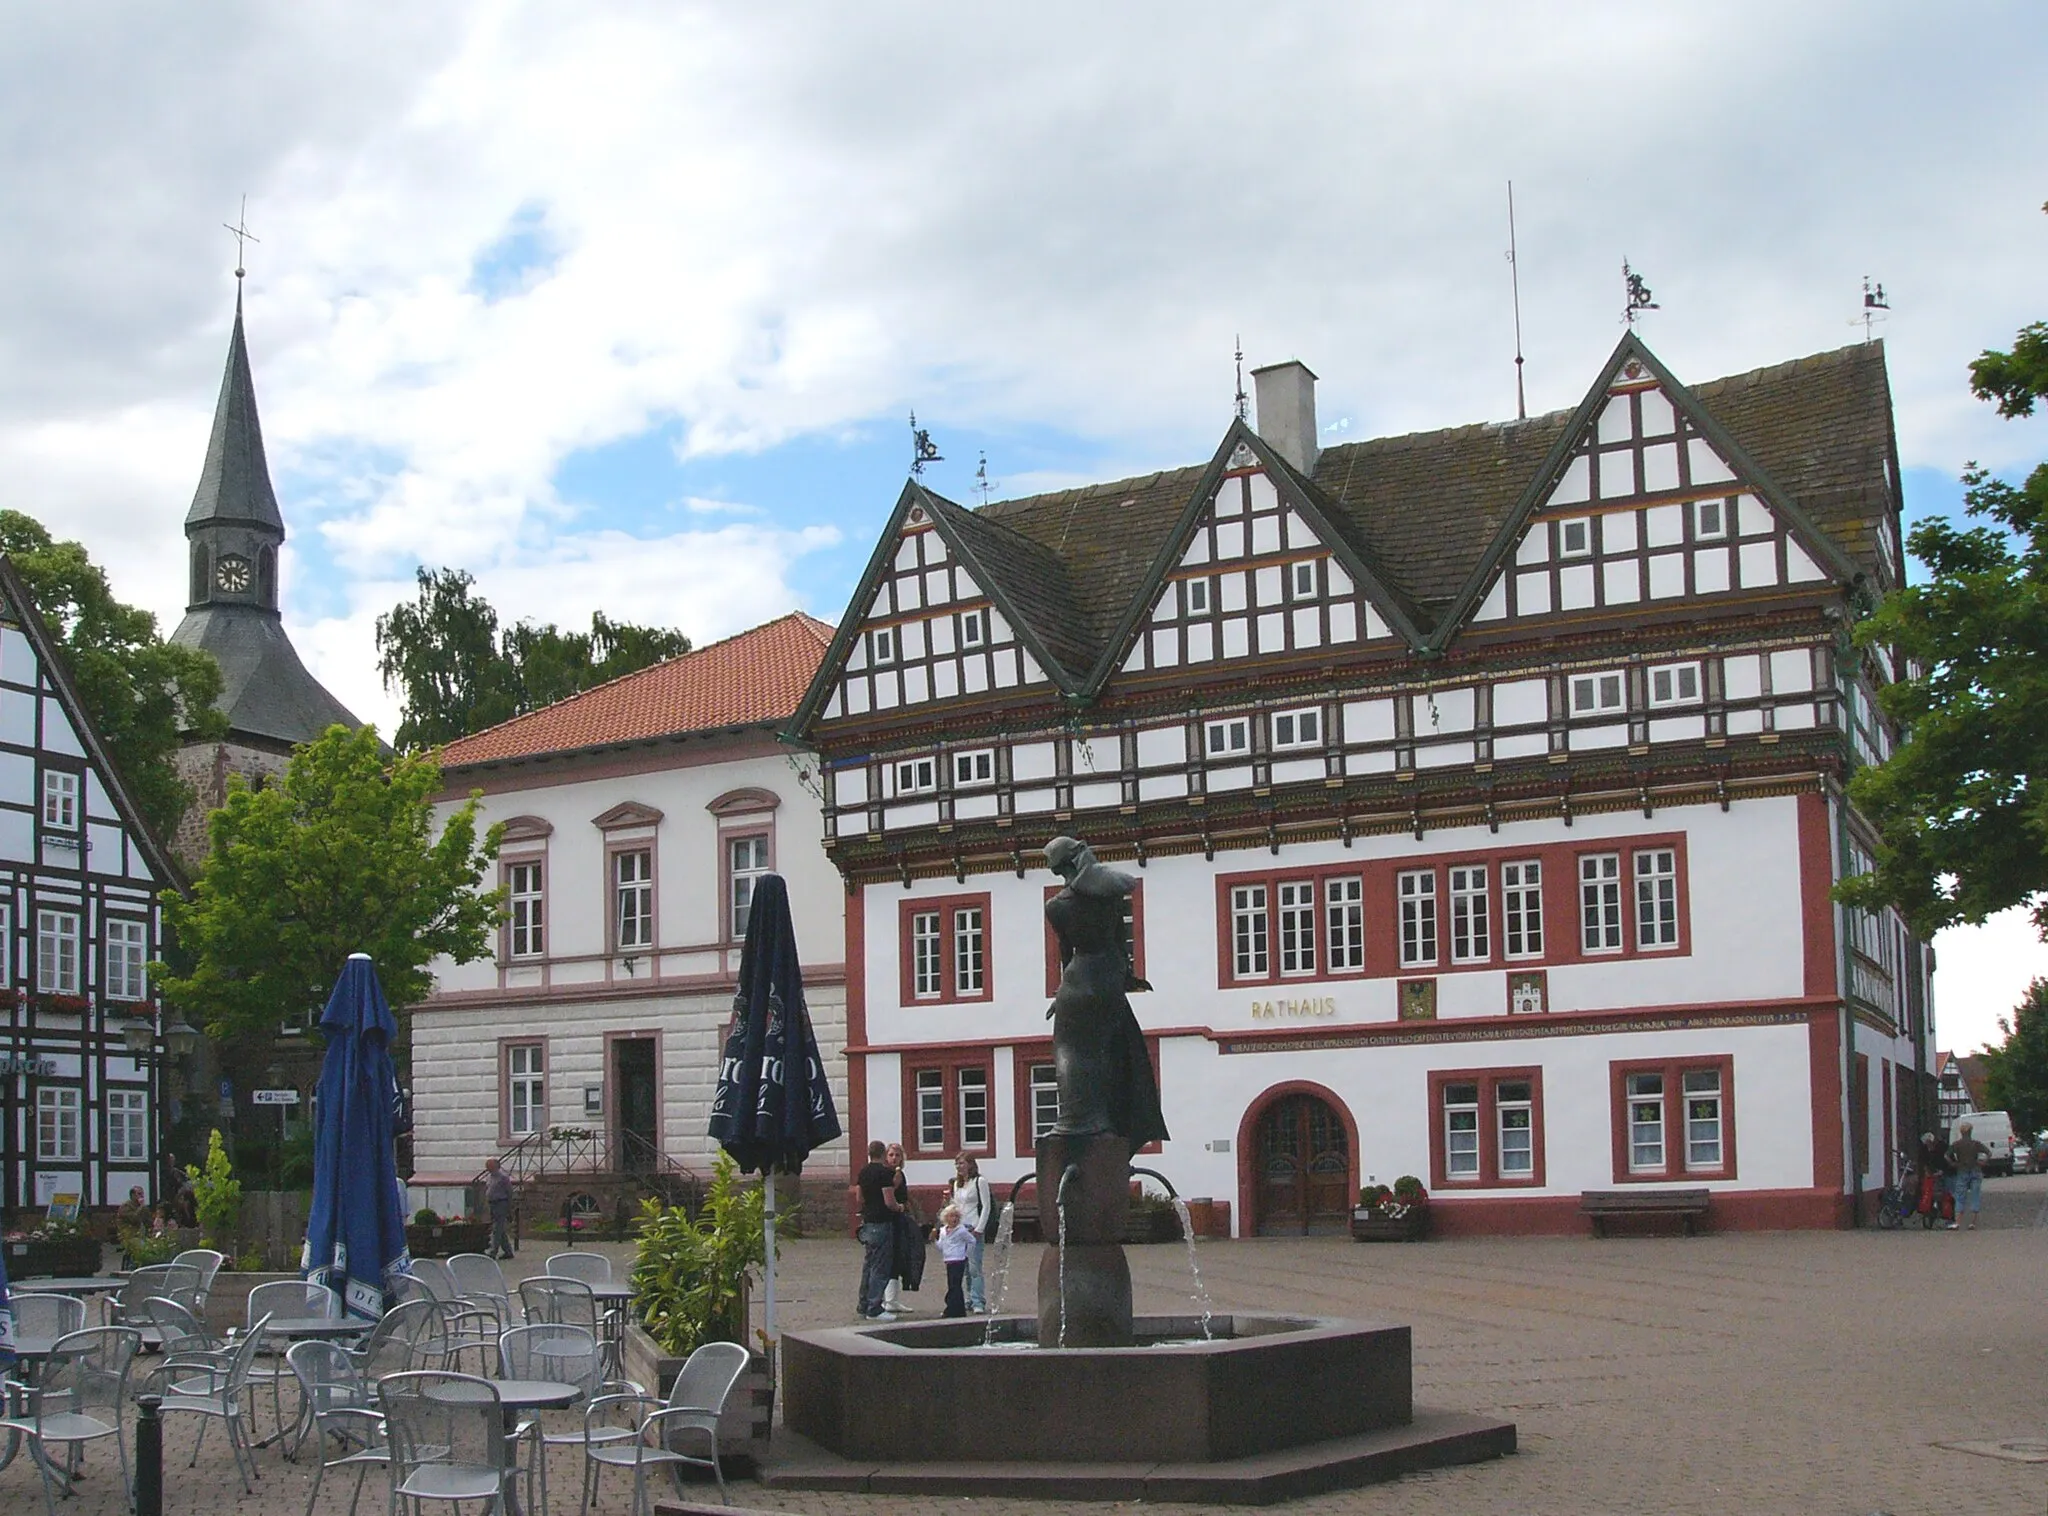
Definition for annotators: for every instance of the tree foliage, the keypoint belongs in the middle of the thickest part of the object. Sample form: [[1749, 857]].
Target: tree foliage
[[141, 692], [1961, 806], [338, 856], [2016, 1080], [458, 671]]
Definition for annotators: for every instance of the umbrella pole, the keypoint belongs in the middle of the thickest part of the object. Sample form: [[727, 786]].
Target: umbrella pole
[[768, 1240]]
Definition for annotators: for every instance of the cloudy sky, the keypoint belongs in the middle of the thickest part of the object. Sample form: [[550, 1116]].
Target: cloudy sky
[[626, 305]]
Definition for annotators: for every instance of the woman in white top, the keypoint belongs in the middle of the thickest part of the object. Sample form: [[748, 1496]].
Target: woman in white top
[[977, 1214]]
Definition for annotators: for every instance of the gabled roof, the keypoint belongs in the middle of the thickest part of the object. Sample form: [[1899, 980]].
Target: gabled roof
[[18, 606], [265, 691], [234, 484], [755, 678]]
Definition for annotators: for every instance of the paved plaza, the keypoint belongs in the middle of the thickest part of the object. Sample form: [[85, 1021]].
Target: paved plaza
[[1784, 1372]]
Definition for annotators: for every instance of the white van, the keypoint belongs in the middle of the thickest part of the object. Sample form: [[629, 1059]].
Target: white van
[[1994, 1130]]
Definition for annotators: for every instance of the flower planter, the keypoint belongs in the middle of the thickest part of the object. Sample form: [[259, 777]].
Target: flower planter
[[1149, 1225], [1371, 1226], [67, 1257], [448, 1239]]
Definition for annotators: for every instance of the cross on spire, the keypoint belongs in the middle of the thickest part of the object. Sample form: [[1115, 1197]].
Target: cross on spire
[[239, 229]]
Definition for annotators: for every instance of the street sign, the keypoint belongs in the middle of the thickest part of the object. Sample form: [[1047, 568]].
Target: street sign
[[275, 1097], [227, 1089]]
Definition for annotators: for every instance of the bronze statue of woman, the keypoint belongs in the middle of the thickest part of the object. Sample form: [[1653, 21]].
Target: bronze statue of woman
[[1098, 1053]]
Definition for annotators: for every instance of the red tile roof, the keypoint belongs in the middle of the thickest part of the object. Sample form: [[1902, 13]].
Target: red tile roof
[[755, 677]]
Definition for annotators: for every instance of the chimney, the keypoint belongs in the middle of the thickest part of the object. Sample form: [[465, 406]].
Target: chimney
[[1287, 411]]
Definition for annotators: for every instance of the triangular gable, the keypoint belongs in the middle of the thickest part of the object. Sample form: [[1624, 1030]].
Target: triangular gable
[[1641, 437], [19, 608], [919, 513], [1249, 505]]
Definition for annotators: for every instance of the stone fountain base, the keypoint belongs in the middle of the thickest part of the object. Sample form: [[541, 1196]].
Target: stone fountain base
[[1275, 1407]]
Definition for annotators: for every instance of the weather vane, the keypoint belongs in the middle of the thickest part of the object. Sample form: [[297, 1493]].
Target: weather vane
[[1244, 407], [242, 234], [1874, 303], [922, 449], [1637, 296], [983, 485], [1515, 289]]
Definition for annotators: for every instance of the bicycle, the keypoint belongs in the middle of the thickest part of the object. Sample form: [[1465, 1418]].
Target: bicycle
[[1901, 1198]]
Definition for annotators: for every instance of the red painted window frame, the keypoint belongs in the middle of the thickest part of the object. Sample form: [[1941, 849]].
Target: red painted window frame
[[948, 1065], [1272, 879], [1490, 1177], [1052, 939], [1022, 1056], [946, 906], [1673, 1070]]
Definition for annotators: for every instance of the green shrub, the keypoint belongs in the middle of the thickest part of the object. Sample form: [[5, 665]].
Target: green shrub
[[690, 1278], [217, 1194], [141, 1249]]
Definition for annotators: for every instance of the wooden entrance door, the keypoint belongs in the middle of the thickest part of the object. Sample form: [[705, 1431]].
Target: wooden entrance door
[[1304, 1169], [636, 1104]]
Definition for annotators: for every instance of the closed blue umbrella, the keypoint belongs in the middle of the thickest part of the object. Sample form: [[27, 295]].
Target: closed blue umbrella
[[355, 1233], [6, 1317], [773, 1105]]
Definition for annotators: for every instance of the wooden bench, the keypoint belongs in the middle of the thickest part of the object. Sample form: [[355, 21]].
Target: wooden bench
[[1600, 1205]]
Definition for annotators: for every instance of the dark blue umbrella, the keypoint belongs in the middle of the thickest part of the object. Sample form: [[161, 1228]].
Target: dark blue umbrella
[[773, 1104], [355, 1234], [6, 1317]]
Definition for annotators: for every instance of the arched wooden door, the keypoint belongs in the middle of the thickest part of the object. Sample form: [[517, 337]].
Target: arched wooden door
[[1303, 1178]]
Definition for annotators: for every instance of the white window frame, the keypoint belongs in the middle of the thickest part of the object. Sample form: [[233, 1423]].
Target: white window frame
[[1228, 738], [1471, 914], [1600, 903], [927, 956], [60, 1116], [633, 898], [970, 951], [1045, 1100], [1716, 529], [60, 800], [1344, 922], [1294, 904], [974, 769], [1416, 890], [526, 902], [915, 776], [973, 629], [1297, 729], [883, 642], [1599, 694], [1506, 1109], [1198, 597], [127, 948], [1251, 945], [1461, 1132], [127, 1126], [1656, 876], [743, 875], [1699, 1089], [971, 1080], [526, 1088], [1644, 1110], [1667, 683], [1565, 532], [1521, 908], [1301, 579], [930, 1092], [57, 944]]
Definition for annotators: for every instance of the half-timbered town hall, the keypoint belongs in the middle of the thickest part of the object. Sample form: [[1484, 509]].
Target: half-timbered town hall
[[1485, 787]]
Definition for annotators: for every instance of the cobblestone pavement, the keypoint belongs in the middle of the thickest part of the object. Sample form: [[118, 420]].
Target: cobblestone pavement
[[1787, 1372]]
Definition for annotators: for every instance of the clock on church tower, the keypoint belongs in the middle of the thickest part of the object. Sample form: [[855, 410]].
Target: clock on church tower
[[231, 573]]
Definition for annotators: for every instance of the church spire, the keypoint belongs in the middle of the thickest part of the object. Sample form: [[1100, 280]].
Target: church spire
[[234, 485]]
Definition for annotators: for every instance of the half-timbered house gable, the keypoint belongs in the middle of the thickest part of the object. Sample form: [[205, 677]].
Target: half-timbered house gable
[[1258, 569], [1646, 499]]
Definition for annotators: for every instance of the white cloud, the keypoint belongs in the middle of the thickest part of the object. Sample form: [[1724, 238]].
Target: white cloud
[[1980, 974]]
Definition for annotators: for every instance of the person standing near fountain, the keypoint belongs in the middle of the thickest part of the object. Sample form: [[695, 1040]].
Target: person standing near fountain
[[1099, 1058], [977, 1211], [878, 1209]]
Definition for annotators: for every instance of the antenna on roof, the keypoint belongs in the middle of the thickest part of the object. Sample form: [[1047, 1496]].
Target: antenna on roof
[[1875, 304], [1636, 294], [242, 234], [1515, 283], [922, 449], [1244, 405], [983, 485]]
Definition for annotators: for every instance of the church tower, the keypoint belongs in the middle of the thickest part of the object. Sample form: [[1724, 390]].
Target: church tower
[[234, 531]]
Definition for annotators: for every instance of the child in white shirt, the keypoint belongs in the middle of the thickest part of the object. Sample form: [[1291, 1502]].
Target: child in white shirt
[[954, 1240]]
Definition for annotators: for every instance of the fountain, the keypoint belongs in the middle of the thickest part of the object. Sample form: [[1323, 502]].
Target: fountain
[[1235, 1408]]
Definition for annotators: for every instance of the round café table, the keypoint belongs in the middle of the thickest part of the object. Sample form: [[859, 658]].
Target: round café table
[[300, 1328], [28, 1350], [93, 1284]]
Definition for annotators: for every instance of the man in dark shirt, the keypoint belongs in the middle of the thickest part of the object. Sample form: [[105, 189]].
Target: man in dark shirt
[[1968, 1155], [878, 1208]]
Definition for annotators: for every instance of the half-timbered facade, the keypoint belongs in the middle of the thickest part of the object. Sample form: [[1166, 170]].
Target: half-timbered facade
[[80, 923], [1485, 787]]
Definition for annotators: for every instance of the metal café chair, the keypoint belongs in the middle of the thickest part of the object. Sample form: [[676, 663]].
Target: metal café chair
[[214, 1387], [591, 1268], [41, 1315], [564, 1302], [693, 1406], [79, 1397], [208, 1262], [436, 1276], [402, 1340], [172, 1281], [283, 1299], [447, 1439], [479, 1279], [339, 1408], [562, 1355], [182, 1337]]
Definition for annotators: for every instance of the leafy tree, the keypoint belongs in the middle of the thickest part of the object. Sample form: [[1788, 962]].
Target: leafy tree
[[142, 693], [2017, 1079], [1961, 806], [459, 671], [337, 857]]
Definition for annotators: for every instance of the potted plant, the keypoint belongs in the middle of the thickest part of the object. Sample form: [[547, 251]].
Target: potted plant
[[56, 1248], [1396, 1214], [429, 1235], [1151, 1219]]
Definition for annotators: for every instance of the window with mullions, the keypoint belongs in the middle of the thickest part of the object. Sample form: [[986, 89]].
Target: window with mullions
[[747, 864], [1297, 910], [1489, 1127], [971, 1092], [525, 899], [1521, 904], [1600, 903], [945, 950], [1045, 1100], [1229, 739], [1470, 938], [931, 1108], [1598, 694], [1702, 1091], [127, 1126], [968, 955], [974, 768], [1249, 955], [1656, 899], [1646, 1123], [60, 800], [926, 980], [57, 952], [1675, 684], [948, 1107], [1416, 890], [633, 880], [1344, 918], [1515, 1128], [525, 1088], [127, 955], [1296, 729], [57, 1124], [916, 776], [1310, 925], [1461, 1132]]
